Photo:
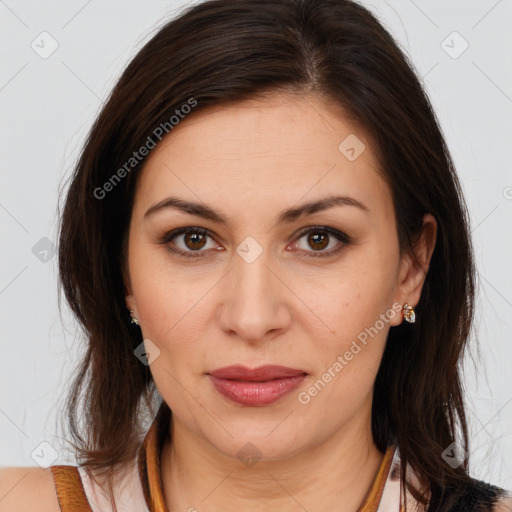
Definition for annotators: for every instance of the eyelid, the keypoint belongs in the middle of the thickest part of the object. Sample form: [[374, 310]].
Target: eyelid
[[170, 235], [341, 236]]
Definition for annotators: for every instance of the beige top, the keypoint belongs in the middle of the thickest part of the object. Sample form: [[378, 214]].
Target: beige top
[[127, 491]]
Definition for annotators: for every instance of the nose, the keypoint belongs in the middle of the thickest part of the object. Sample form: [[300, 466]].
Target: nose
[[255, 303]]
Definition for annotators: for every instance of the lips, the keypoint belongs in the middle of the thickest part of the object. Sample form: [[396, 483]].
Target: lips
[[260, 374], [257, 386]]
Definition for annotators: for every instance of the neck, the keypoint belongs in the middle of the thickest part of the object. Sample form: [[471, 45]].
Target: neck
[[336, 474]]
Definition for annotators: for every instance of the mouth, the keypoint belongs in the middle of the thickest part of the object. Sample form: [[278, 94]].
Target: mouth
[[258, 386]]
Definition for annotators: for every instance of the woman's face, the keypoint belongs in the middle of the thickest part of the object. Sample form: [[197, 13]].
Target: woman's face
[[315, 292]]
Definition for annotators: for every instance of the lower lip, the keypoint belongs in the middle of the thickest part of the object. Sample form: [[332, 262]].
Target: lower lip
[[256, 393]]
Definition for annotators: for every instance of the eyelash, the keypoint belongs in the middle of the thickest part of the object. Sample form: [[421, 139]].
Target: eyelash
[[342, 237]]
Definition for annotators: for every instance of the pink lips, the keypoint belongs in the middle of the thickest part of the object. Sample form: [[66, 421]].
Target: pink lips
[[256, 387]]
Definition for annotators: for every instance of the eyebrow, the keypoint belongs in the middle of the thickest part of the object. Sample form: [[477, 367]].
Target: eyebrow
[[287, 216]]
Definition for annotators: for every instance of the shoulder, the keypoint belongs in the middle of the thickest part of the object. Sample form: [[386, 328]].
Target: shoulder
[[504, 504], [28, 489]]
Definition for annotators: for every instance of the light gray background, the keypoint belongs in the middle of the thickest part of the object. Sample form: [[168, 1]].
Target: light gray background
[[47, 106]]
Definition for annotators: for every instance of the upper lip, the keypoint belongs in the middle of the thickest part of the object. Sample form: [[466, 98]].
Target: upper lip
[[259, 374]]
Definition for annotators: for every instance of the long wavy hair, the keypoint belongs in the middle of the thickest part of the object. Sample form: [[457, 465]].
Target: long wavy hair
[[221, 51]]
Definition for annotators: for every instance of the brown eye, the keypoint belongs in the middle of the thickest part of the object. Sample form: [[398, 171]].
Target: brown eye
[[188, 242], [194, 240], [317, 239]]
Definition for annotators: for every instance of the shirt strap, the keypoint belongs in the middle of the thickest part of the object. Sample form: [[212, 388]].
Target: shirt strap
[[70, 489]]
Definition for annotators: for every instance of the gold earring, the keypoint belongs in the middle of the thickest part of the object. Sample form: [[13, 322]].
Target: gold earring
[[408, 312], [133, 319]]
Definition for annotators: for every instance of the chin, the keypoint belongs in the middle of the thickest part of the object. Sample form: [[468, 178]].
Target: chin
[[254, 440]]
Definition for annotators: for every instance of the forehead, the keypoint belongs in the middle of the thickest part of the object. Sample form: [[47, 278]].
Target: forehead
[[277, 148]]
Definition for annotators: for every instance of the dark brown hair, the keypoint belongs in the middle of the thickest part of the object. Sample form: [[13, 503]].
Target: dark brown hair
[[222, 51]]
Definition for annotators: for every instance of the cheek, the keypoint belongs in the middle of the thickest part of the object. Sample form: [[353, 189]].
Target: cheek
[[165, 299], [352, 299], [170, 312], [348, 359], [357, 308]]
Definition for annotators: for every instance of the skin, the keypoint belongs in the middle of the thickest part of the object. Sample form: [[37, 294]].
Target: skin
[[251, 160]]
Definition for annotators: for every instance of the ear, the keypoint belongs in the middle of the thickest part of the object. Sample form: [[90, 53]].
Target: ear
[[413, 270], [128, 297], [130, 304]]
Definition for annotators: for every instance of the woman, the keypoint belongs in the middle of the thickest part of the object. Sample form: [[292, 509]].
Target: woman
[[266, 243]]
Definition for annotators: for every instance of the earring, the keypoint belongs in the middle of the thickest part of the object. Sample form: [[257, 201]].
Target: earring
[[133, 319], [408, 313]]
